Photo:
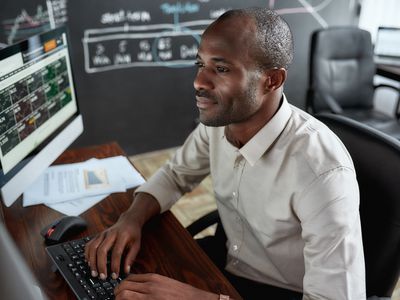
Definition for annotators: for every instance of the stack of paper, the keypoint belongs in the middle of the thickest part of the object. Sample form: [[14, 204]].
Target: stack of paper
[[73, 188]]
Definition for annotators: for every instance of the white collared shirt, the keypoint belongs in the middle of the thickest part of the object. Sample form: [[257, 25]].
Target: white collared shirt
[[288, 200]]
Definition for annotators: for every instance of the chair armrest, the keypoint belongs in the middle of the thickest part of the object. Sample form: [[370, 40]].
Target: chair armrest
[[387, 86], [203, 222], [382, 85]]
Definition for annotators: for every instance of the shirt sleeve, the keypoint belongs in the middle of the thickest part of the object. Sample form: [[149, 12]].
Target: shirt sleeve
[[331, 230], [189, 166]]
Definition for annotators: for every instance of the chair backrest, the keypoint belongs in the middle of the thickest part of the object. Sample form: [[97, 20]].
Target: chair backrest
[[376, 157], [342, 67]]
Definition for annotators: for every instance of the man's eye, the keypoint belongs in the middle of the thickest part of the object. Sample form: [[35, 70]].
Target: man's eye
[[199, 64], [222, 69]]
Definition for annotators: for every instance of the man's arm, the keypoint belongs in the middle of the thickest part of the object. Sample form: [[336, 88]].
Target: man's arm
[[185, 170], [331, 230], [154, 286], [125, 234]]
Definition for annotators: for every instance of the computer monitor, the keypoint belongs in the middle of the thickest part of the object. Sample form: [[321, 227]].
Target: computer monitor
[[387, 42], [17, 281], [39, 114]]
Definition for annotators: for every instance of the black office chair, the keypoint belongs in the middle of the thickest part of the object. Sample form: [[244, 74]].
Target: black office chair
[[204, 222], [341, 78], [376, 158]]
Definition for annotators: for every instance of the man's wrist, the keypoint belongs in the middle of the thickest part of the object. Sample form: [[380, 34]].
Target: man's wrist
[[144, 207]]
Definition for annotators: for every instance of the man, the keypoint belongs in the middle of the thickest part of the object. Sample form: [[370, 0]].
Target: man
[[285, 185]]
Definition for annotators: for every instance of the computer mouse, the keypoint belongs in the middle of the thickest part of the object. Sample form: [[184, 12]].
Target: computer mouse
[[63, 228]]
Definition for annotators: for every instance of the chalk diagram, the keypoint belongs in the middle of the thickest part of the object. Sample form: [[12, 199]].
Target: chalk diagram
[[171, 45], [168, 45]]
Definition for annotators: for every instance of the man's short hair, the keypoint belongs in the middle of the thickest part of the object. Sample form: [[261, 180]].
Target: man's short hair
[[273, 43]]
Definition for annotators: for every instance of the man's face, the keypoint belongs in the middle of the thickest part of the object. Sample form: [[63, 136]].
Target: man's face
[[228, 86]]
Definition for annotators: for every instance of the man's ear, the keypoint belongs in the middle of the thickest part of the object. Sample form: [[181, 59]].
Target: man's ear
[[274, 79]]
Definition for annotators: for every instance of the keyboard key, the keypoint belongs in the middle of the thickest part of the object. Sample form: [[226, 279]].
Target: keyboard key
[[114, 282], [60, 257], [91, 294], [94, 282], [106, 284]]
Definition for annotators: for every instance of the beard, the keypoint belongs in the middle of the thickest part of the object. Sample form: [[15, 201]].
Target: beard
[[236, 109]]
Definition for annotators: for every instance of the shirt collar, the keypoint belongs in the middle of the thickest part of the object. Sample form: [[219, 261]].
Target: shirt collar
[[265, 137]]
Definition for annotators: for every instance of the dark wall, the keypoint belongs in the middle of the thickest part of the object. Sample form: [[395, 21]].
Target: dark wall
[[133, 60]]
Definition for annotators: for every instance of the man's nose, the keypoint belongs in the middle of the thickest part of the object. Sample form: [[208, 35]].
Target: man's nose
[[203, 80]]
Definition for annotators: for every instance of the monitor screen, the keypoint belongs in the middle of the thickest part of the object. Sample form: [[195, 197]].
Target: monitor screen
[[17, 280], [39, 115], [387, 42]]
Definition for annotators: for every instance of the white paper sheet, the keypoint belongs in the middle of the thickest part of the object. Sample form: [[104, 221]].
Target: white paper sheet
[[73, 181], [79, 182], [76, 207]]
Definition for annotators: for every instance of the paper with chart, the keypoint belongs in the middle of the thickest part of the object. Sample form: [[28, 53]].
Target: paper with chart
[[74, 182]]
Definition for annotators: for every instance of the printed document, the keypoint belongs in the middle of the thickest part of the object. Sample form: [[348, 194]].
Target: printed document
[[84, 183]]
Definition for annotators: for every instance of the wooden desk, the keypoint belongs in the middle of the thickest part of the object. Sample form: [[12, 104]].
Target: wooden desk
[[392, 72], [167, 248]]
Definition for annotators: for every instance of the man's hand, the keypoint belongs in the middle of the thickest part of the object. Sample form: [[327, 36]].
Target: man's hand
[[158, 287], [125, 235]]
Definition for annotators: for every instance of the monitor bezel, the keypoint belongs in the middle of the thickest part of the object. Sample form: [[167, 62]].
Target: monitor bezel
[[70, 129]]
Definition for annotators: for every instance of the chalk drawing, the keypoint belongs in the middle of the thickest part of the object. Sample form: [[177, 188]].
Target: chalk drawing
[[172, 44]]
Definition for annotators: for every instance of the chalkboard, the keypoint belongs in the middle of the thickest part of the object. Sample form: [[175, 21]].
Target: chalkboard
[[133, 60]]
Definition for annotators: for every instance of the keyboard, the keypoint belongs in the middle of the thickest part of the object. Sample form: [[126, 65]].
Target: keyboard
[[69, 260]]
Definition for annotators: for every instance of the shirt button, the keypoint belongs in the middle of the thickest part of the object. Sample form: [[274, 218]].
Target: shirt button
[[234, 194], [235, 247], [235, 262]]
